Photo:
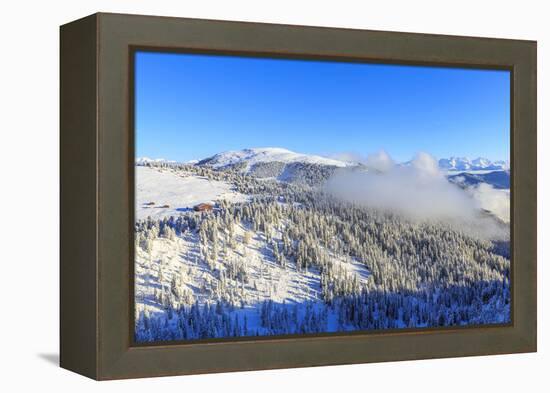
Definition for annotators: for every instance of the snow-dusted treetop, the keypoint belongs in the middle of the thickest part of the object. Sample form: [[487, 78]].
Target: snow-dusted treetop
[[267, 154]]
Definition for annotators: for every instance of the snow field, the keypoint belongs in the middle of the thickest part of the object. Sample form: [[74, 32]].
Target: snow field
[[177, 190]]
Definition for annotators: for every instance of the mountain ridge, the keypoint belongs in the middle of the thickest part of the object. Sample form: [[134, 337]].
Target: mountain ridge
[[465, 164], [250, 157]]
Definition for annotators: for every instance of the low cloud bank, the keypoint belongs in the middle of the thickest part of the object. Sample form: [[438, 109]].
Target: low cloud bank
[[420, 191], [492, 200]]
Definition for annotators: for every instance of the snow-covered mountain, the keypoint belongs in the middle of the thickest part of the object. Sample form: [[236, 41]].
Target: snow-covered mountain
[[478, 164], [147, 160], [253, 156], [251, 159], [277, 163], [496, 179], [292, 167]]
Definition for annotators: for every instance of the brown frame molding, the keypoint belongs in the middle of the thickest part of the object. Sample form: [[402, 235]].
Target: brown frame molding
[[97, 195]]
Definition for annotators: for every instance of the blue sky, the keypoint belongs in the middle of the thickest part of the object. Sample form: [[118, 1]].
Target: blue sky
[[192, 106]]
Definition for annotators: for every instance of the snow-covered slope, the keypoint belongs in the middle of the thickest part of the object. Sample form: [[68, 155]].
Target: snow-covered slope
[[181, 258], [252, 156], [163, 192]]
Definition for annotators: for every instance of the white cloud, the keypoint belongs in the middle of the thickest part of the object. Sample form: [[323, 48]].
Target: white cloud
[[493, 200], [380, 161], [418, 191]]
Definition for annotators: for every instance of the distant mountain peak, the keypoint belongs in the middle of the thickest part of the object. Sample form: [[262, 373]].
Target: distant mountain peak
[[465, 164], [147, 160]]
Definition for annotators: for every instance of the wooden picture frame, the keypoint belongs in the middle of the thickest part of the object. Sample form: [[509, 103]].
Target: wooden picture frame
[[97, 157]]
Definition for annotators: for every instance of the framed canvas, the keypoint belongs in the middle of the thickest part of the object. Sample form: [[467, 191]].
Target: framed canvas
[[243, 196]]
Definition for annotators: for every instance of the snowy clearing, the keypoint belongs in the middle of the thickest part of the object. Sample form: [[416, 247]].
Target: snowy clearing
[[178, 191]]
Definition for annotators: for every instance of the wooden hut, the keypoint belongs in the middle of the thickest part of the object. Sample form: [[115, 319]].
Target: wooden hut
[[203, 207]]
